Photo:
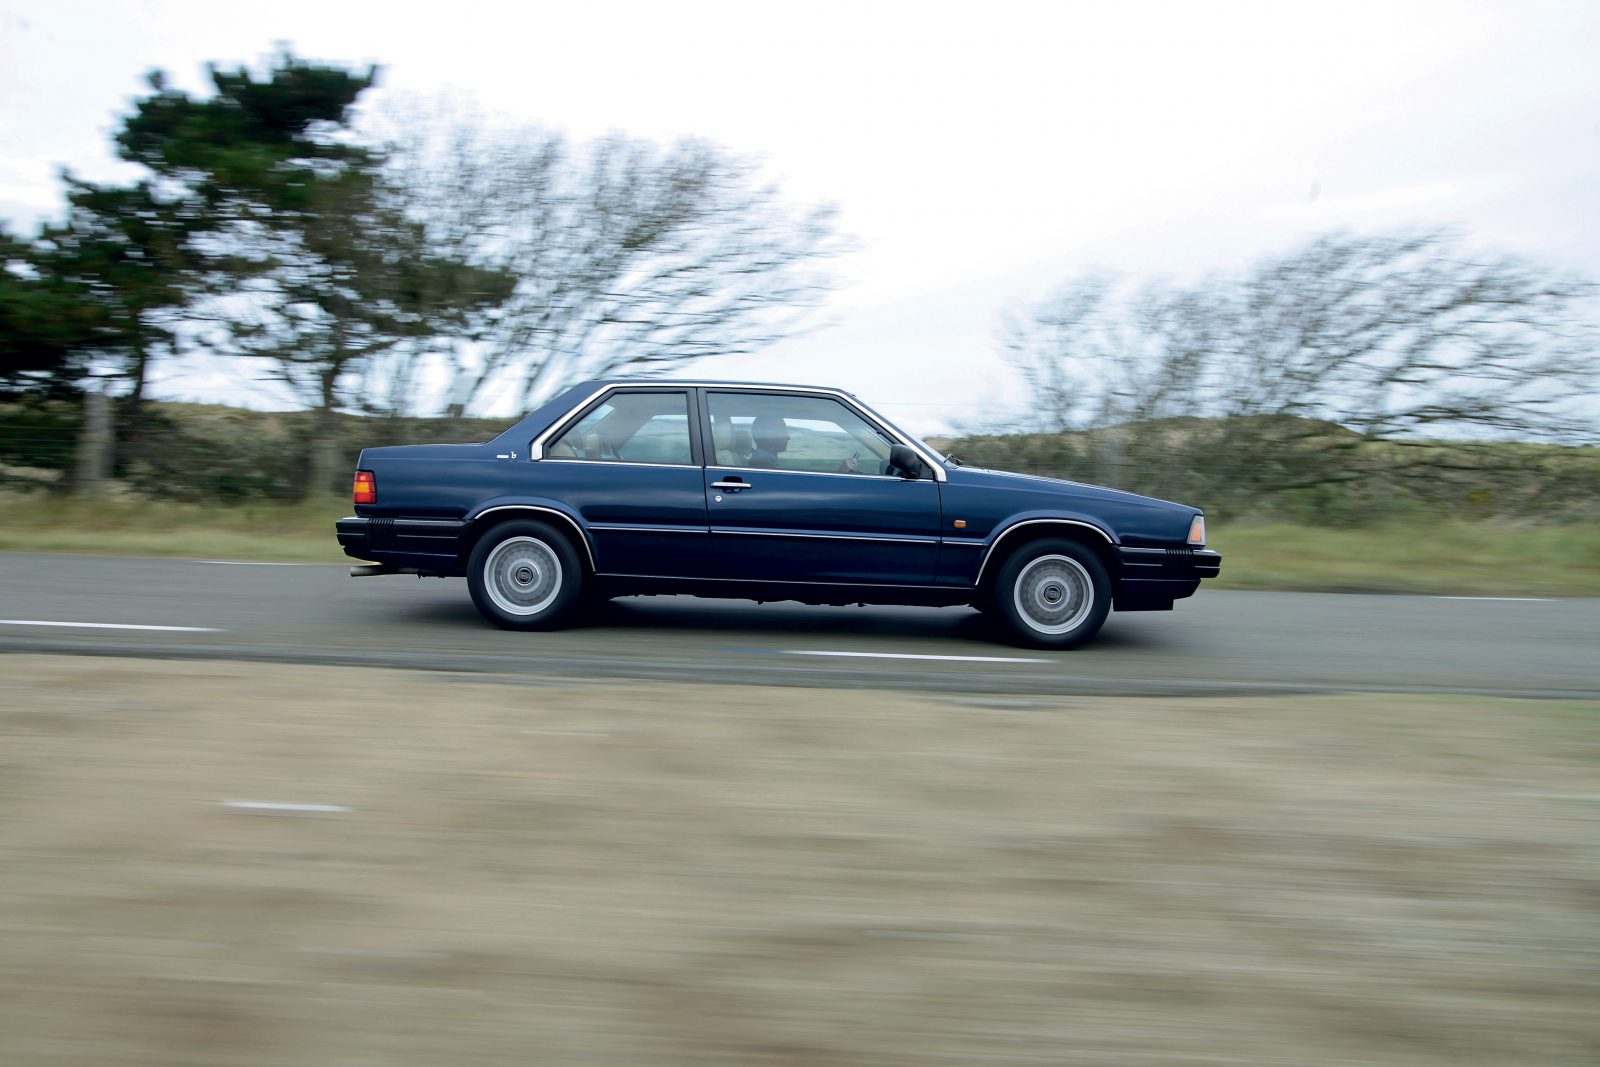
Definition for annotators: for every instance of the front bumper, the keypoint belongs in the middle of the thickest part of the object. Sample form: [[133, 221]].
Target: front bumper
[[1152, 578], [1169, 563], [432, 545]]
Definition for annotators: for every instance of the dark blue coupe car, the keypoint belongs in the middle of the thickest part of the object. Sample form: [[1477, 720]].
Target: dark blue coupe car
[[764, 492]]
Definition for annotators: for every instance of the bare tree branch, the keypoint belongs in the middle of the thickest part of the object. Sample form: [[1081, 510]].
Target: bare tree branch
[[1292, 362], [627, 256]]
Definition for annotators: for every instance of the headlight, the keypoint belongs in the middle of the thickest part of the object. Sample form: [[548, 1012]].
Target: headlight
[[1197, 530]]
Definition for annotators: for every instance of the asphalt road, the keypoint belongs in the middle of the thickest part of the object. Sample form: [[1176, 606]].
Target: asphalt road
[[1217, 642]]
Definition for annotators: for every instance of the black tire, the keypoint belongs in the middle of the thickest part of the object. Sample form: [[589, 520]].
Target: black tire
[[525, 576], [1052, 594]]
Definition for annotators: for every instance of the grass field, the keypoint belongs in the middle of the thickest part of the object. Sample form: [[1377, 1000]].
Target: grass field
[[299, 533], [1462, 558], [1434, 556]]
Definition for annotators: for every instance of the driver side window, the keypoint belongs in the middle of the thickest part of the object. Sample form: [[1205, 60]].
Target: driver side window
[[795, 433]]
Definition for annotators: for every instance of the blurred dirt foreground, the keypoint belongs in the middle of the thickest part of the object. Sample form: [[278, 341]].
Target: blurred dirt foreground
[[530, 872]]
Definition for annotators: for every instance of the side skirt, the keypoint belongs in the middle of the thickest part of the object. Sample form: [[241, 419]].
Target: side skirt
[[775, 592]]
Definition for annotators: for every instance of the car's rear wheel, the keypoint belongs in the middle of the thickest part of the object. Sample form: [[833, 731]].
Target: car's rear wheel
[[525, 576], [1052, 594]]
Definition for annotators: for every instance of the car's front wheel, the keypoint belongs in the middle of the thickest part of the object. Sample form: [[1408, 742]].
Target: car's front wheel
[[1052, 594], [525, 576]]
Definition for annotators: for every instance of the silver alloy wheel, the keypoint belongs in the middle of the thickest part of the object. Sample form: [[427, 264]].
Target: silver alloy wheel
[[522, 575], [1053, 594]]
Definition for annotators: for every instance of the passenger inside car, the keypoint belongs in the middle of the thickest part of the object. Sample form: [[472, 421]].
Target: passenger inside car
[[741, 446], [598, 446]]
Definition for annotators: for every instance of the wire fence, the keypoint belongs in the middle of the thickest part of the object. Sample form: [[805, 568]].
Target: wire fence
[[209, 453]]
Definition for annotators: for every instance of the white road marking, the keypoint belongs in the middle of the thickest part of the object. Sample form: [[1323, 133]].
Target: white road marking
[[912, 655], [568, 733], [1518, 599], [251, 563], [112, 626], [268, 805]]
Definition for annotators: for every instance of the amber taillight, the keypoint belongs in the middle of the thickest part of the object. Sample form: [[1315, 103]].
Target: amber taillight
[[366, 488]]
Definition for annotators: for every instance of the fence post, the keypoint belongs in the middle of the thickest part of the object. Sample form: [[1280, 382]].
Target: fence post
[[94, 442]]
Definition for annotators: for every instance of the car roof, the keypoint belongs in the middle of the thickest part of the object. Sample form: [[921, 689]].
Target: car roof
[[711, 383]]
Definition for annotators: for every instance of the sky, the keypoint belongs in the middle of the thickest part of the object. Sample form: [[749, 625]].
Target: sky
[[978, 154]]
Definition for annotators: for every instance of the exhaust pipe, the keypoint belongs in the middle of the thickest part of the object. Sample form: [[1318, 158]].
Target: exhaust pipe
[[369, 570]]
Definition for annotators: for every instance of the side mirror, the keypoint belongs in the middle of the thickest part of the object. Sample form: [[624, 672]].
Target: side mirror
[[903, 459]]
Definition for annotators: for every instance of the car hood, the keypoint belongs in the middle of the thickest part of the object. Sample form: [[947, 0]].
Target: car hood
[[1133, 517], [1039, 483]]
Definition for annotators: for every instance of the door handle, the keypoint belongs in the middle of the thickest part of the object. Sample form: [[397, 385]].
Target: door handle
[[733, 486]]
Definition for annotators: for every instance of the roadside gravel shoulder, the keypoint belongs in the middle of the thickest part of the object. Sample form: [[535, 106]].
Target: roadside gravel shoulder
[[425, 868]]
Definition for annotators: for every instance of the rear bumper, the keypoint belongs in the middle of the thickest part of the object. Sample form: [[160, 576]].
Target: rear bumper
[[432, 545]]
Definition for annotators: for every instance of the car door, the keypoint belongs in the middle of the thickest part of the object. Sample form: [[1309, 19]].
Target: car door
[[629, 464], [797, 489]]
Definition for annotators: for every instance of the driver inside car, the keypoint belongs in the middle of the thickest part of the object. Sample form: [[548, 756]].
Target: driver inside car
[[771, 436]]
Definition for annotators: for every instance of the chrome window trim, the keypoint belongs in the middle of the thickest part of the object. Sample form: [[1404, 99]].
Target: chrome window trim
[[622, 462], [1033, 522], [583, 537], [825, 474], [536, 446]]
